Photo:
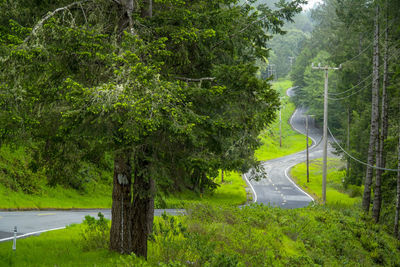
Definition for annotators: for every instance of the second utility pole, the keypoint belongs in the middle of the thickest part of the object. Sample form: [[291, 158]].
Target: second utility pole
[[325, 134]]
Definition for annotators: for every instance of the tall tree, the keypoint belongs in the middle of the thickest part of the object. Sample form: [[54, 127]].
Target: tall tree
[[167, 93], [373, 139], [384, 125]]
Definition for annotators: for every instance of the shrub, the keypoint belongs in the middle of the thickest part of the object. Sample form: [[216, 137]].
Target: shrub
[[95, 234]]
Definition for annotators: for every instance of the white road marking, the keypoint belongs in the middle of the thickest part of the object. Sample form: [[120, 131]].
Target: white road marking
[[32, 233], [287, 176], [252, 188], [45, 214]]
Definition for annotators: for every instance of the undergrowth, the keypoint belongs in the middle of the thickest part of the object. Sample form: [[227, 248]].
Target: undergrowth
[[254, 235]]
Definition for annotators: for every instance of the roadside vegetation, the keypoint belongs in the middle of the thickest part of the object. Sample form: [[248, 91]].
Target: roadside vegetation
[[337, 193], [292, 141], [255, 235], [21, 188]]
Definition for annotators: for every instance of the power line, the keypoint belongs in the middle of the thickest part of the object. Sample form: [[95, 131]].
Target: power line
[[341, 98], [348, 90], [359, 161], [365, 49], [369, 76]]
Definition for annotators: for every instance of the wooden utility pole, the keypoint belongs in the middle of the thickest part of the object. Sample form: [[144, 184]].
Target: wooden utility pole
[[291, 62], [308, 162], [325, 135], [280, 128]]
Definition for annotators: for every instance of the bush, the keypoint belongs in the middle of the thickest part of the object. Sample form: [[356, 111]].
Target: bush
[[354, 190], [96, 233]]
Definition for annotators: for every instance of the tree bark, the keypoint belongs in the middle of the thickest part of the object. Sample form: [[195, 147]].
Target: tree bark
[[147, 9], [374, 117], [381, 155], [121, 225], [143, 207], [396, 218]]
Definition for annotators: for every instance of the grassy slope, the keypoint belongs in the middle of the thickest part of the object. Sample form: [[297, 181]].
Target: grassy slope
[[15, 173], [335, 191], [231, 192], [251, 236], [291, 140]]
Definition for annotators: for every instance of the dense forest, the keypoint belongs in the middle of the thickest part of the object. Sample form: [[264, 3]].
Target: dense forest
[[362, 38]]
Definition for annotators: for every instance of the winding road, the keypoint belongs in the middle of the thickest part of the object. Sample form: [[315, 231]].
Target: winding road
[[276, 189]]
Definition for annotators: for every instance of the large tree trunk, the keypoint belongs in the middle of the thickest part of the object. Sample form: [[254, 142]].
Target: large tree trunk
[[374, 117], [381, 155], [121, 225], [143, 206]]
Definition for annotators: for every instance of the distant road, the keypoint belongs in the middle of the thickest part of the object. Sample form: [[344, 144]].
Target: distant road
[[277, 189]]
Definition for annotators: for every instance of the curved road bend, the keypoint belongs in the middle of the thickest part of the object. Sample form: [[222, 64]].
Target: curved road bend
[[277, 189]]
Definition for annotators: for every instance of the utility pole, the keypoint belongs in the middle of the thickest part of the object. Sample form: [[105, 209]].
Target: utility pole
[[308, 170], [325, 135], [291, 62], [271, 71], [280, 128]]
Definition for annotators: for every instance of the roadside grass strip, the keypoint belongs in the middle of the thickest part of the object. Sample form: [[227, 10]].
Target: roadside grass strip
[[336, 193]]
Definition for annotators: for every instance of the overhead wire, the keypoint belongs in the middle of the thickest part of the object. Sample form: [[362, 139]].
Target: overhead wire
[[355, 92], [359, 161], [381, 33]]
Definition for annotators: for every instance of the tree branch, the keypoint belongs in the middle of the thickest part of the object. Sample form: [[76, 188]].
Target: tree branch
[[51, 14]]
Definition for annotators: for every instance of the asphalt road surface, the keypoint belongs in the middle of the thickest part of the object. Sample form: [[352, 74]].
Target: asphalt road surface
[[275, 189], [35, 222]]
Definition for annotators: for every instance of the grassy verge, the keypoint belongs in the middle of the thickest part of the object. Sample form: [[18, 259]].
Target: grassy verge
[[292, 141], [56, 198], [21, 188], [215, 236], [336, 193], [231, 192]]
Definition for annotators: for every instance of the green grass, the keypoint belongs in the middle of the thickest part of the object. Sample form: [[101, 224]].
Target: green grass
[[20, 188], [228, 236], [56, 198], [336, 193], [231, 192], [292, 141], [56, 248]]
